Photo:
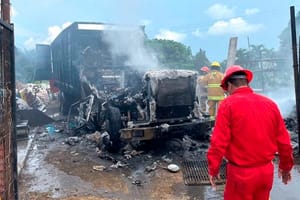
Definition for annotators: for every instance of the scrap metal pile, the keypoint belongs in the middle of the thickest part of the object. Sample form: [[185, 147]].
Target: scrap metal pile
[[32, 96]]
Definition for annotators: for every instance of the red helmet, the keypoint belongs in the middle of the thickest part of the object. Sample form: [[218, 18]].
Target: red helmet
[[204, 68], [233, 69]]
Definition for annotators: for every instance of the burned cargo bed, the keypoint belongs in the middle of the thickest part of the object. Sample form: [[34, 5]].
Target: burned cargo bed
[[196, 129]]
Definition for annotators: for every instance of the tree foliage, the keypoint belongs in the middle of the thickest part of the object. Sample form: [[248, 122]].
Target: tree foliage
[[267, 66], [200, 59], [171, 54], [175, 55]]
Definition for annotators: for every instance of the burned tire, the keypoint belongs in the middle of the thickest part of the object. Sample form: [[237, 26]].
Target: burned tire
[[114, 126], [64, 103]]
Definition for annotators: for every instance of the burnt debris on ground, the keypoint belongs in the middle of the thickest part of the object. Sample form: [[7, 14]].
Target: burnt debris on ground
[[292, 126]]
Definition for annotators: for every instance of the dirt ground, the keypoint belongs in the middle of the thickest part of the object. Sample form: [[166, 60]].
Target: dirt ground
[[56, 168]]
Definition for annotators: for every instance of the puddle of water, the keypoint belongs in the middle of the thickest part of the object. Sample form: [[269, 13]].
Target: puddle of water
[[291, 190], [211, 194], [23, 148], [205, 192], [49, 179], [279, 191]]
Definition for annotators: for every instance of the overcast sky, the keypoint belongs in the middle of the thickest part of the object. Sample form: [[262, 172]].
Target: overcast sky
[[196, 23]]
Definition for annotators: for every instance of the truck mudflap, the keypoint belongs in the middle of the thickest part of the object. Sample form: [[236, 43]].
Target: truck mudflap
[[194, 129]]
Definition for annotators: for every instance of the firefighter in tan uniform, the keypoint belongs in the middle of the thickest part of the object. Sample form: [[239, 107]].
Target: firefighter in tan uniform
[[215, 93]]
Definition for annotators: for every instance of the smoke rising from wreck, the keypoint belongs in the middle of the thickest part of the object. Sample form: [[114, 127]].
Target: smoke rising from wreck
[[119, 46], [133, 47], [285, 99]]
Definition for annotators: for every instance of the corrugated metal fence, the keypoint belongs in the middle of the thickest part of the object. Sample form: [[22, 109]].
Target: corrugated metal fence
[[8, 148]]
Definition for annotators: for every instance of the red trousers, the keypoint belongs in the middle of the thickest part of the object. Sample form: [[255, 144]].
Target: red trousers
[[251, 183]]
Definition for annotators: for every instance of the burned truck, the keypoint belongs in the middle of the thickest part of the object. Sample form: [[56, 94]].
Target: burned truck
[[169, 107], [165, 107], [102, 90]]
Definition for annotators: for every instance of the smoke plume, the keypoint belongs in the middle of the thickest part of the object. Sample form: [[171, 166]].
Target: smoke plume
[[286, 102], [131, 44]]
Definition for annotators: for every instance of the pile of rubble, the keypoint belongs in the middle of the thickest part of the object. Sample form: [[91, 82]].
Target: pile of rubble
[[33, 96], [292, 126]]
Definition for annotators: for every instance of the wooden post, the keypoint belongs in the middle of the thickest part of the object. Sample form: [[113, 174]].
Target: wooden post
[[5, 11], [231, 51]]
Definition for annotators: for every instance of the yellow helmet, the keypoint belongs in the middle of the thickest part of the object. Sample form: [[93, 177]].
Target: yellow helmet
[[215, 64]]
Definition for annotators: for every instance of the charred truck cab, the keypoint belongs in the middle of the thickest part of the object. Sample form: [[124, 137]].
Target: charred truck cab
[[170, 108], [100, 90]]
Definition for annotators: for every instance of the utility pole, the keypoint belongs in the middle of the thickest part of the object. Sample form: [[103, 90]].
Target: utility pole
[[9, 173], [296, 69]]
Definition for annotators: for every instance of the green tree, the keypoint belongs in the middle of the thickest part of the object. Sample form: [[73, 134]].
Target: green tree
[[242, 57], [171, 54], [200, 59], [267, 66]]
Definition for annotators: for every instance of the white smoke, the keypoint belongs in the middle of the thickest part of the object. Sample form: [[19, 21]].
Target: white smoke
[[131, 44], [285, 99]]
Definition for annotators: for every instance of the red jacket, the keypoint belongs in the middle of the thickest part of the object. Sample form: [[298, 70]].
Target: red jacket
[[249, 130]]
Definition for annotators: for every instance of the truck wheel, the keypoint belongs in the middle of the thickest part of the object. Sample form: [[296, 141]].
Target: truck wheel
[[64, 103], [61, 102], [114, 126]]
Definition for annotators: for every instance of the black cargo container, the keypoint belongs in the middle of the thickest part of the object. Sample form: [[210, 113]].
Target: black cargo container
[[82, 49], [43, 69]]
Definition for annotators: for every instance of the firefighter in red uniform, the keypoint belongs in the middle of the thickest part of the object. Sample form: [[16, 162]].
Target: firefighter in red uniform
[[249, 130]]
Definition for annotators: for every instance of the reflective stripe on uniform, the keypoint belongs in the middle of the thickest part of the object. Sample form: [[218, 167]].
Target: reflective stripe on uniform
[[215, 98], [213, 85]]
